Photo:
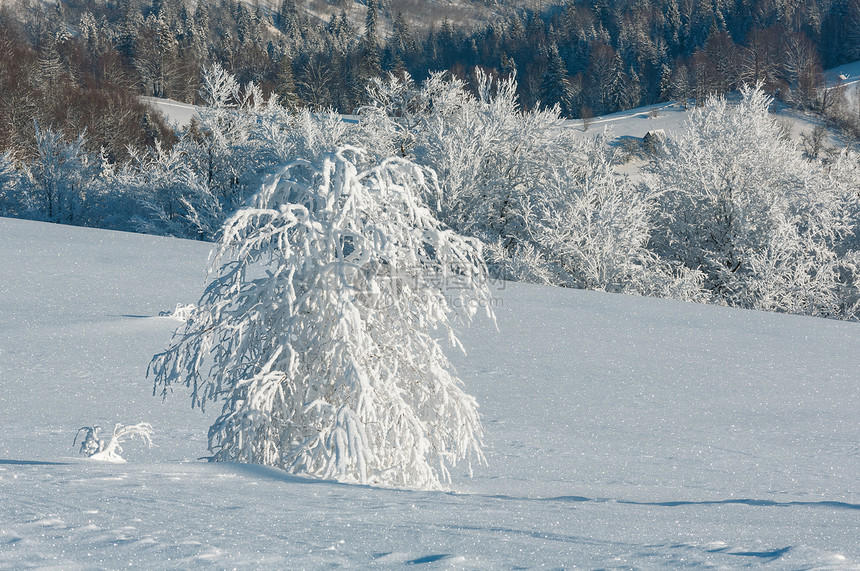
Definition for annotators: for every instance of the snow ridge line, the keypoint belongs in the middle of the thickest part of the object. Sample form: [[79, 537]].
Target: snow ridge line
[[835, 504], [751, 502]]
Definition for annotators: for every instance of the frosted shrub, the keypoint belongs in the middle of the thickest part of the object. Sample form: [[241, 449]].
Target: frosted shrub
[[313, 134], [591, 227], [317, 332], [61, 177], [740, 203], [97, 449], [176, 201], [400, 114], [241, 134], [228, 156], [489, 155], [548, 204]]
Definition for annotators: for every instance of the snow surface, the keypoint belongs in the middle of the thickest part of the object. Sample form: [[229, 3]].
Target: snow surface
[[635, 122], [847, 74], [177, 114], [621, 432]]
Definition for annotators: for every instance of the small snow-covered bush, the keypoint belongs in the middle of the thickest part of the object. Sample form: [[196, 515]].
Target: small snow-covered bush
[[62, 177], [182, 312], [317, 332], [94, 447], [174, 199]]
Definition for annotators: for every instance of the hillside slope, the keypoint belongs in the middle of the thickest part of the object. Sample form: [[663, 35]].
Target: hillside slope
[[621, 431]]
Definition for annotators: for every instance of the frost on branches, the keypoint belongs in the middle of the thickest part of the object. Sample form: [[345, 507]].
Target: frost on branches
[[549, 204], [318, 329], [767, 228]]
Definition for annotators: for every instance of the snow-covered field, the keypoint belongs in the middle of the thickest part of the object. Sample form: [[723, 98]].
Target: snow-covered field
[[621, 432]]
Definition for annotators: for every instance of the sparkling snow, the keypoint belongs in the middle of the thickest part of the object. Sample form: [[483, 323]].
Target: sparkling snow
[[621, 432]]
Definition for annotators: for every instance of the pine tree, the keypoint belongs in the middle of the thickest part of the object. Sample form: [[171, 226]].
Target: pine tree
[[507, 66], [57, 30], [89, 32], [370, 49], [129, 30], [288, 19], [666, 92], [602, 77], [286, 86], [631, 93], [50, 67], [682, 85], [673, 26], [555, 86], [403, 42], [201, 16], [618, 81]]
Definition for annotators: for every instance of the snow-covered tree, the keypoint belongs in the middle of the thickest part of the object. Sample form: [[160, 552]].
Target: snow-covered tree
[[317, 331], [549, 204], [304, 134], [228, 152], [630, 93], [174, 199], [555, 87], [14, 199], [61, 176], [396, 107], [587, 226], [741, 204], [488, 153]]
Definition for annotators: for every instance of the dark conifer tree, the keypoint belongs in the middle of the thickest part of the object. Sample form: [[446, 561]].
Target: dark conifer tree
[[665, 83], [630, 95], [555, 85], [285, 85], [370, 49], [507, 66]]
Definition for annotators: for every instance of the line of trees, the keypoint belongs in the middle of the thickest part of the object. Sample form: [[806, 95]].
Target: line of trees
[[589, 57], [71, 74], [730, 212], [60, 84]]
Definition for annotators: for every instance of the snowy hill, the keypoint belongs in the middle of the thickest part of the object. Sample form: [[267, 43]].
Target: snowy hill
[[621, 432]]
